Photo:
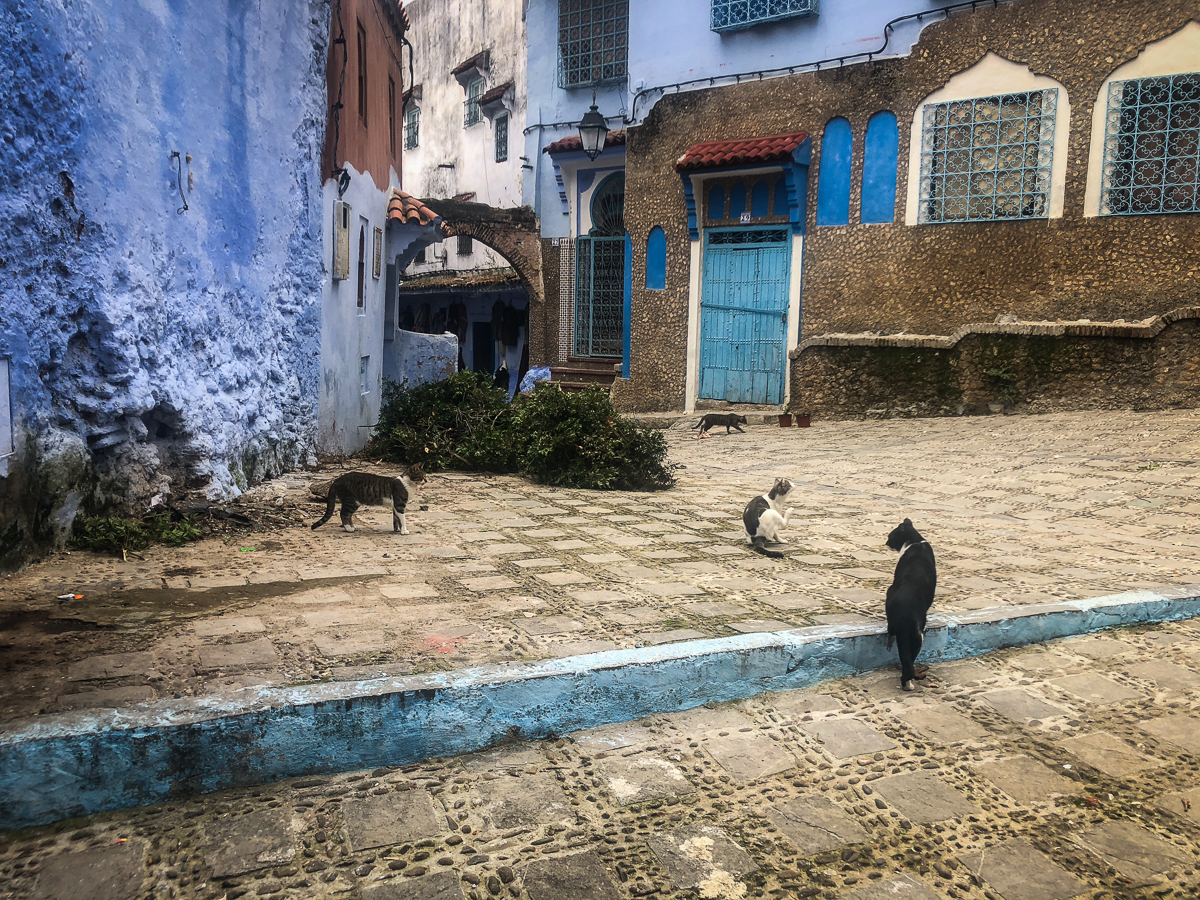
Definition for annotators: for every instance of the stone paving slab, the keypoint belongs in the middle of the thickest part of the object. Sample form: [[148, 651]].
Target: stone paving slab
[[642, 778], [1019, 872], [1107, 753], [112, 665], [388, 819], [1179, 730], [923, 798], [580, 876], [814, 824], [903, 888], [847, 738], [943, 724], [254, 841], [524, 802], [114, 872], [748, 757], [1024, 779], [258, 654], [705, 858], [1136, 853], [438, 886]]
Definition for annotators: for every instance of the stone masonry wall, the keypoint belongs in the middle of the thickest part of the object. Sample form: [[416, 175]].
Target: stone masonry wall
[[893, 278], [1036, 367], [156, 349]]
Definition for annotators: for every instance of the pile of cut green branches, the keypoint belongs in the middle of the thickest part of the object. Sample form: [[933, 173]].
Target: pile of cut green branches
[[119, 537], [551, 436]]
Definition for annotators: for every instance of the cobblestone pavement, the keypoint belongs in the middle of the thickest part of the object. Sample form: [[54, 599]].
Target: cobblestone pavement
[[1044, 773], [1019, 508], [1036, 774]]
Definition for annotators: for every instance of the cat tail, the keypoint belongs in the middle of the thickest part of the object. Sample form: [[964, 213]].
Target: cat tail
[[328, 510], [697, 425], [759, 545]]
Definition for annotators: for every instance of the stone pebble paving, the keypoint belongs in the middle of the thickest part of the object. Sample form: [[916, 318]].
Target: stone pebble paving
[[499, 570], [1065, 770]]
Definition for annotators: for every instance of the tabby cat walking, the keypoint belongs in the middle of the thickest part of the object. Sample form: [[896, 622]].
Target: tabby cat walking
[[355, 489]]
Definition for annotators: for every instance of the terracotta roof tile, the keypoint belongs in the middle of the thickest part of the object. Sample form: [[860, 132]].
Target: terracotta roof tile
[[404, 207], [495, 94], [478, 61], [567, 144], [720, 154]]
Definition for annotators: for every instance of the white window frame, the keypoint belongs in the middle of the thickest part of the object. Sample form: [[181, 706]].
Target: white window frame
[[1176, 54], [990, 76]]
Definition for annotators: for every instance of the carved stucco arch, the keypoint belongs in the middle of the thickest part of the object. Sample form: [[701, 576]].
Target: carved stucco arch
[[514, 234]]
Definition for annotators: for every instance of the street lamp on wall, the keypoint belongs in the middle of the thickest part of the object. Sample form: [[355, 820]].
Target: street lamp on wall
[[592, 131]]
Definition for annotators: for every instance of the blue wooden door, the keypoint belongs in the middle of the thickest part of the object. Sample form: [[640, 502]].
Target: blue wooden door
[[743, 315]]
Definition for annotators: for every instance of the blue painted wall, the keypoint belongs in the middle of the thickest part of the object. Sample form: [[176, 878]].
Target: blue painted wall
[[151, 347], [833, 190], [656, 259], [670, 41], [879, 169]]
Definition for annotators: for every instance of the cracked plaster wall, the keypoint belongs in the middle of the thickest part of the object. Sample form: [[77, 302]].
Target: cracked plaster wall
[[153, 351]]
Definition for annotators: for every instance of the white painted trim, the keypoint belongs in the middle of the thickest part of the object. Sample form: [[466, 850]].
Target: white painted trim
[[7, 437], [1175, 54], [692, 377], [993, 75], [792, 338]]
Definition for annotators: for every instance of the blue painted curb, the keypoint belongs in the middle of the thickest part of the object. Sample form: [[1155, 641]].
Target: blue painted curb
[[82, 763]]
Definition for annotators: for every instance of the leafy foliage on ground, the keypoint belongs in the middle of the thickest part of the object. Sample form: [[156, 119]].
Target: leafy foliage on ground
[[105, 534], [552, 436]]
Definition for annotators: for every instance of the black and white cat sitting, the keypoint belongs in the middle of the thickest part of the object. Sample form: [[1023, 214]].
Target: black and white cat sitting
[[764, 520], [909, 597]]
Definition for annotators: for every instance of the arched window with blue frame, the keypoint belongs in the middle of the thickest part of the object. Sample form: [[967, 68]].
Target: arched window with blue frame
[[833, 186], [656, 260], [716, 202], [879, 169]]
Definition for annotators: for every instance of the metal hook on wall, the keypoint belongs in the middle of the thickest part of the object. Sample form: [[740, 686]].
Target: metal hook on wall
[[179, 181]]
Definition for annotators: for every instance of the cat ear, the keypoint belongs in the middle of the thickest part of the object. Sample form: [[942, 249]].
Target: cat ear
[[908, 522]]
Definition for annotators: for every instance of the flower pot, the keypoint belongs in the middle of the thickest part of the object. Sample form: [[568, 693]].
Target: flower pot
[[802, 421], [785, 420]]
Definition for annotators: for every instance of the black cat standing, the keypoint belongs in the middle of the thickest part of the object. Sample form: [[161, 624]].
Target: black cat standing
[[909, 597]]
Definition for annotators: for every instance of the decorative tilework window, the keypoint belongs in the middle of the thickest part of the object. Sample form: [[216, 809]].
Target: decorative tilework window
[[732, 15], [593, 41], [1152, 146], [473, 114], [412, 128], [501, 138], [987, 158]]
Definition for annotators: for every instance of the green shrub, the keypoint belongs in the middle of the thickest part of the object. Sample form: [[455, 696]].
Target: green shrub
[[121, 536], [557, 438]]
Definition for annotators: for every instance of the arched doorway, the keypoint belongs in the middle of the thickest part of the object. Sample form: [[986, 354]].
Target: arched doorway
[[600, 274]]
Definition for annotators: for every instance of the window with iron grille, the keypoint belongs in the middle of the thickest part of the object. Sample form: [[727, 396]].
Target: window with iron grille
[[466, 245], [593, 41], [474, 92], [987, 158], [501, 138], [412, 128], [1152, 146], [731, 15]]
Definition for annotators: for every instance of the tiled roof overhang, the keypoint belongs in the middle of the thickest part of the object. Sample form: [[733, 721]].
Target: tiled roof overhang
[[790, 152], [404, 207], [573, 143], [746, 152]]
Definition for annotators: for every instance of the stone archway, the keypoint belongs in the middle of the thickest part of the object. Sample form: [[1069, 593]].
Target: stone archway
[[514, 234]]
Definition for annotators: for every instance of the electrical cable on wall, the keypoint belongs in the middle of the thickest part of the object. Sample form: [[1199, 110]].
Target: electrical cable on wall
[[342, 175], [783, 71]]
